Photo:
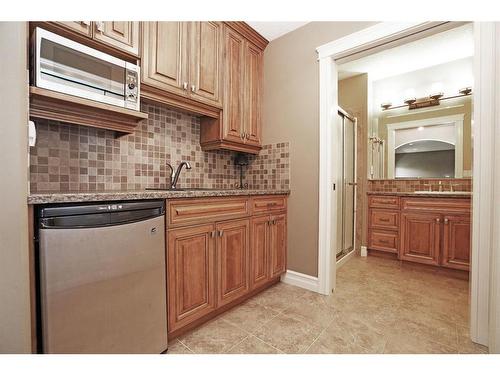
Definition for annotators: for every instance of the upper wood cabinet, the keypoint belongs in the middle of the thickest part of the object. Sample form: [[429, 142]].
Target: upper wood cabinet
[[239, 129], [205, 56], [183, 59], [164, 58], [81, 27], [121, 36]]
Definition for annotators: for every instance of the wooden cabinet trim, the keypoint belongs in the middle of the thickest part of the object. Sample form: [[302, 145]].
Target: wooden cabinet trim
[[383, 201], [384, 219], [456, 242], [441, 205], [412, 225], [383, 240], [126, 40], [268, 204]]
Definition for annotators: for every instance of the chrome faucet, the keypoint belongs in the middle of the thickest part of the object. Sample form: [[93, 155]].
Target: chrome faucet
[[174, 176]]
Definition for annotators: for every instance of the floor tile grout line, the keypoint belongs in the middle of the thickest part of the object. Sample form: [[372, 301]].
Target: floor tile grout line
[[184, 345], [269, 344]]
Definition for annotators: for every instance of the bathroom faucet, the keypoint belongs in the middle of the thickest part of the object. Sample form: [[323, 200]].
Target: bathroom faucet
[[174, 176]]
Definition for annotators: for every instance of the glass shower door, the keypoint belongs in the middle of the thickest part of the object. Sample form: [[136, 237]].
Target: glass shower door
[[347, 195]]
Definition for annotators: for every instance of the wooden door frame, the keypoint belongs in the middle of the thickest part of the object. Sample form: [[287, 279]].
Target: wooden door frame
[[486, 211]]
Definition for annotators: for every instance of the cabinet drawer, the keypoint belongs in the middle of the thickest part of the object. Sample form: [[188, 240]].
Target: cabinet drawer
[[384, 241], [383, 201], [445, 205], [195, 211], [268, 203], [384, 219]]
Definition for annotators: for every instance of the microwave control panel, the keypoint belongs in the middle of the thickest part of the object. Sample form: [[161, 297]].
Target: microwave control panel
[[132, 88]]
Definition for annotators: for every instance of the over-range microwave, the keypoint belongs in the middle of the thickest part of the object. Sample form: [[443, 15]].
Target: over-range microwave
[[63, 65]]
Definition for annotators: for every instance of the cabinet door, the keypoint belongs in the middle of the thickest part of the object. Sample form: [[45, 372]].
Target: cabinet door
[[233, 126], [205, 57], [456, 242], [259, 251], [123, 35], [277, 245], [164, 62], [420, 237], [232, 260], [253, 94], [81, 27], [191, 277]]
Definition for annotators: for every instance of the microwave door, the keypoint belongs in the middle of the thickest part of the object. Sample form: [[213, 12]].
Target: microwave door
[[63, 66]]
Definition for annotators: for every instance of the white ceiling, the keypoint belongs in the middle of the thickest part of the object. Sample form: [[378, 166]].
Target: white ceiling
[[273, 30], [440, 48]]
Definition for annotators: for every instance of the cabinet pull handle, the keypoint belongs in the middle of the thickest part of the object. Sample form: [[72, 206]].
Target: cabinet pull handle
[[212, 234], [274, 222], [384, 219], [221, 233], [99, 25], [185, 85], [193, 88], [247, 136], [86, 23], [242, 135]]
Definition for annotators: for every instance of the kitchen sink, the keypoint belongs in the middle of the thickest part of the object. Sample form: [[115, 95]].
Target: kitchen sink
[[444, 192]]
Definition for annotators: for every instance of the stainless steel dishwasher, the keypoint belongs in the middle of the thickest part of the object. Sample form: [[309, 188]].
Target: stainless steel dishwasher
[[102, 278]]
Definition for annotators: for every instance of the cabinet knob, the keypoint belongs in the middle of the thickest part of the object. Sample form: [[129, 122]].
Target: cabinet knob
[[185, 85], [247, 136], [212, 234], [446, 220], [193, 88], [242, 135], [438, 220], [99, 25], [221, 233]]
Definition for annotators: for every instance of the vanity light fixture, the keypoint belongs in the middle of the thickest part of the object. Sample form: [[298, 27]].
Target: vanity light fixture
[[431, 100]]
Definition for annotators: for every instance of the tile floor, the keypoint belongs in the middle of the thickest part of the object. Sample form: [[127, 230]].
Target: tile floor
[[380, 306]]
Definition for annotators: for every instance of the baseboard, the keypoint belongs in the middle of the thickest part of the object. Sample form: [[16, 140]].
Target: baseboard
[[301, 280]]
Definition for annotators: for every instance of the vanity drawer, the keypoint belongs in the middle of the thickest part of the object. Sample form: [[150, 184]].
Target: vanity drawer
[[268, 203], [384, 219], [202, 210], [383, 241], [446, 205], [383, 201]]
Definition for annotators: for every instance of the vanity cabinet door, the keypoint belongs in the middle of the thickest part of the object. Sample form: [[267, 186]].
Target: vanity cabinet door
[[456, 242], [191, 274], [164, 63], [123, 35], [278, 245], [259, 250], [420, 237], [232, 260]]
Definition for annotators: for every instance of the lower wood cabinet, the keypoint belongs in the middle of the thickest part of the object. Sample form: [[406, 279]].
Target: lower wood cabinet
[[217, 263], [190, 274], [233, 243], [428, 230]]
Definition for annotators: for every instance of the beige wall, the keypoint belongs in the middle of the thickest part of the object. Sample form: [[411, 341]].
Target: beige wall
[[291, 114], [353, 98], [15, 335]]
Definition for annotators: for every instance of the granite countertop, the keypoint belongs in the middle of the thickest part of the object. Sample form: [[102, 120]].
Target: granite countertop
[[74, 197], [433, 194]]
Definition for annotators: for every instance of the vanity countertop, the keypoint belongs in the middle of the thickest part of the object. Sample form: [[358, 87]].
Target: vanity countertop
[[74, 197], [425, 194]]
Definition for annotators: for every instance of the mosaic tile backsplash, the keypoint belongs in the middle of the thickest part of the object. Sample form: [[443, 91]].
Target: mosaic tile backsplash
[[411, 185], [70, 157]]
